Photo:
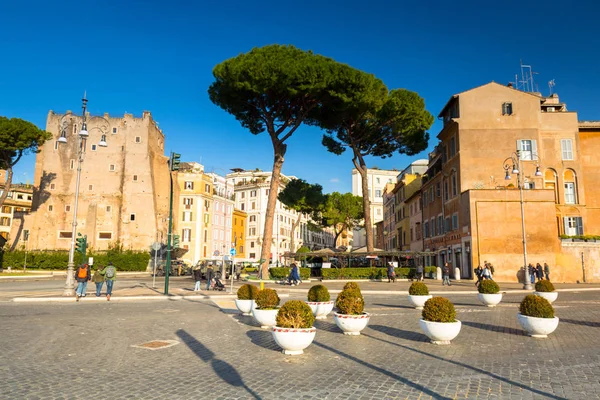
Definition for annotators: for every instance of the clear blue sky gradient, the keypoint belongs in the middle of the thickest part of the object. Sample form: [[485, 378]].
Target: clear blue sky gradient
[[133, 55]]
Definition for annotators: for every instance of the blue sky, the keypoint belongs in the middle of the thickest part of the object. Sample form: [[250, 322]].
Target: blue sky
[[136, 55]]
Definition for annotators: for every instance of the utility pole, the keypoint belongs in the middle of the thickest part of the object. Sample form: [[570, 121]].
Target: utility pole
[[174, 161]]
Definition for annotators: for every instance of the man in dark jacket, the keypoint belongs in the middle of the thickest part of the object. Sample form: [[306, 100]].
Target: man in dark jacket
[[82, 276], [197, 278], [209, 275]]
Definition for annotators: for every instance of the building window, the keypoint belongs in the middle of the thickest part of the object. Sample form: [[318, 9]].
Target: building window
[[507, 108], [527, 149], [65, 235], [551, 182], [454, 222], [446, 192], [188, 185], [438, 189], [93, 147], [573, 226], [186, 235], [439, 225], [447, 224], [67, 208], [452, 146], [529, 185], [6, 210], [425, 198], [50, 207], [242, 206], [4, 221], [132, 217], [105, 235], [378, 193], [570, 187], [138, 139], [251, 245], [111, 167], [253, 193], [252, 231], [188, 202], [187, 216], [377, 180], [72, 164], [253, 218], [454, 185], [108, 209], [241, 249], [426, 229], [206, 188], [252, 255], [566, 146], [135, 177], [114, 131], [90, 187]]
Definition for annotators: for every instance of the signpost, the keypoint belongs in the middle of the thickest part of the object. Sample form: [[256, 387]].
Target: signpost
[[156, 246], [232, 253]]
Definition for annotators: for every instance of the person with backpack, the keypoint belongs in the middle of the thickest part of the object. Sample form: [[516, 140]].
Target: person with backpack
[[479, 275], [486, 272], [82, 276], [98, 279], [110, 274]]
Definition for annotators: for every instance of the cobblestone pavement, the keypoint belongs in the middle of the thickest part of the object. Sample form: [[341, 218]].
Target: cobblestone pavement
[[80, 351]]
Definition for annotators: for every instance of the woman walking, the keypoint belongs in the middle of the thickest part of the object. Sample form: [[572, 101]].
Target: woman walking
[[98, 279]]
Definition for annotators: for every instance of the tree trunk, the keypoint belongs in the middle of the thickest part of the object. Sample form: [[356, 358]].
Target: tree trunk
[[9, 175], [361, 167], [337, 234], [294, 226], [265, 251]]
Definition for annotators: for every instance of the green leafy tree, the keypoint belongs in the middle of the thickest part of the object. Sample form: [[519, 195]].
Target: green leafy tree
[[17, 137], [372, 121], [275, 89], [302, 197], [342, 212]]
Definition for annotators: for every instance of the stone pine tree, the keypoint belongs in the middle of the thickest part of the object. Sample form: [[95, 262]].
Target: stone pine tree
[[17, 137], [372, 121], [274, 89], [304, 198], [342, 212]]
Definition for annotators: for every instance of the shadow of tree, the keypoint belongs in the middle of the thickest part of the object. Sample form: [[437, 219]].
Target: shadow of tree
[[224, 370], [494, 328], [264, 339], [326, 326], [479, 370], [399, 333], [393, 306], [41, 194], [383, 371], [584, 323]]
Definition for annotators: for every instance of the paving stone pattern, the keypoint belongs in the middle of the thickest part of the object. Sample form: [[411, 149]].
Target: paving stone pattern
[[81, 351]]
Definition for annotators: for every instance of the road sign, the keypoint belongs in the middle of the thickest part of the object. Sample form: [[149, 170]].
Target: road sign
[[232, 251], [156, 246], [216, 253]]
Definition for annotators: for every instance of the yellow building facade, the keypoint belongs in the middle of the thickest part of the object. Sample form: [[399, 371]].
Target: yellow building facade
[[238, 232]]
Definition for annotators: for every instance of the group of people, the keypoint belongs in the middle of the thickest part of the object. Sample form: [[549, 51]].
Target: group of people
[[538, 272], [212, 280], [293, 278], [103, 274], [485, 273]]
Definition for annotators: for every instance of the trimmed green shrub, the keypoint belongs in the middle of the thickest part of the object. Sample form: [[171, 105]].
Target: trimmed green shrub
[[284, 272], [350, 302], [123, 260], [247, 292], [318, 293], [488, 287], [536, 306], [267, 299], [544, 286], [418, 289], [439, 309], [295, 314], [365, 273], [352, 285], [250, 270]]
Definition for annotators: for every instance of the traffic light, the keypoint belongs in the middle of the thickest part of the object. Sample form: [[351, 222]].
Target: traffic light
[[81, 244], [175, 241], [174, 161]]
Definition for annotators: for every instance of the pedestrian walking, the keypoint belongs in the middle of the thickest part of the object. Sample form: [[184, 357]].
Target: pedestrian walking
[[446, 275], [479, 275], [294, 276], [531, 271], [82, 276], [110, 275], [547, 271], [491, 268], [486, 272], [197, 278], [420, 276], [98, 279], [209, 276], [391, 274], [539, 271]]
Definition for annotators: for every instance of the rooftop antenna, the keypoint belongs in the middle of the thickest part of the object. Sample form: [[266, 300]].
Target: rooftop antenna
[[551, 85], [526, 83]]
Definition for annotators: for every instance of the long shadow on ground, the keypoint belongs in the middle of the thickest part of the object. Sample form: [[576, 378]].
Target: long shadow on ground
[[224, 370]]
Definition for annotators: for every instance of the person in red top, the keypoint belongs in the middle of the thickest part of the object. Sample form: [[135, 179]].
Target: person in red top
[[82, 276]]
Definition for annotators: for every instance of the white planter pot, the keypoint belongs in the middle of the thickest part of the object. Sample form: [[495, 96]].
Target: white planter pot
[[266, 318], [351, 324], [320, 309], [440, 332], [293, 341], [537, 327], [550, 296], [490, 299], [245, 306], [418, 301]]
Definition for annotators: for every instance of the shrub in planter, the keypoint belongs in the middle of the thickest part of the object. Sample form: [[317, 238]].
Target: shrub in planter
[[318, 293], [247, 292], [488, 287], [350, 317], [544, 286], [439, 309], [536, 306], [267, 299], [295, 314], [350, 302], [352, 285], [418, 289]]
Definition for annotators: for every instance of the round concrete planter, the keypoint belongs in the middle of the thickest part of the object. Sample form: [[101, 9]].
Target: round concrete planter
[[490, 299], [293, 341], [537, 327], [351, 324], [440, 332], [550, 296], [418, 301], [320, 309], [245, 306], [266, 318]]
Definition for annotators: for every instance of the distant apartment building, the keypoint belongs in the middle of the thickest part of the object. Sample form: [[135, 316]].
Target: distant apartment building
[[377, 179], [471, 202], [238, 231], [12, 214], [223, 195], [124, 187], [414, 205], [408, 183]]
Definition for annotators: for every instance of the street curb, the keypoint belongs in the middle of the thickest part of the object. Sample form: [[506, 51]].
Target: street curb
[[28, 276], [102, 299]]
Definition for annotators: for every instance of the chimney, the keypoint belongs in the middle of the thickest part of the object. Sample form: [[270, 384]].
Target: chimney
[[510, 85]]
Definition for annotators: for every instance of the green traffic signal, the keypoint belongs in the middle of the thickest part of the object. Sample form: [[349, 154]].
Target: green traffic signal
[[81, 243], [175, 241], [175, 161]]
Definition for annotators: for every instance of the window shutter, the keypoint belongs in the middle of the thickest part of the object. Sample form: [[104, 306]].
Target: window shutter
[[579, 225], [566, 225], [519, 146], [534, 155]]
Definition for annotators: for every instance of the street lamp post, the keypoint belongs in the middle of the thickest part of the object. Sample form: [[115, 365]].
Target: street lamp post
[[513, 163], [82, 136]]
